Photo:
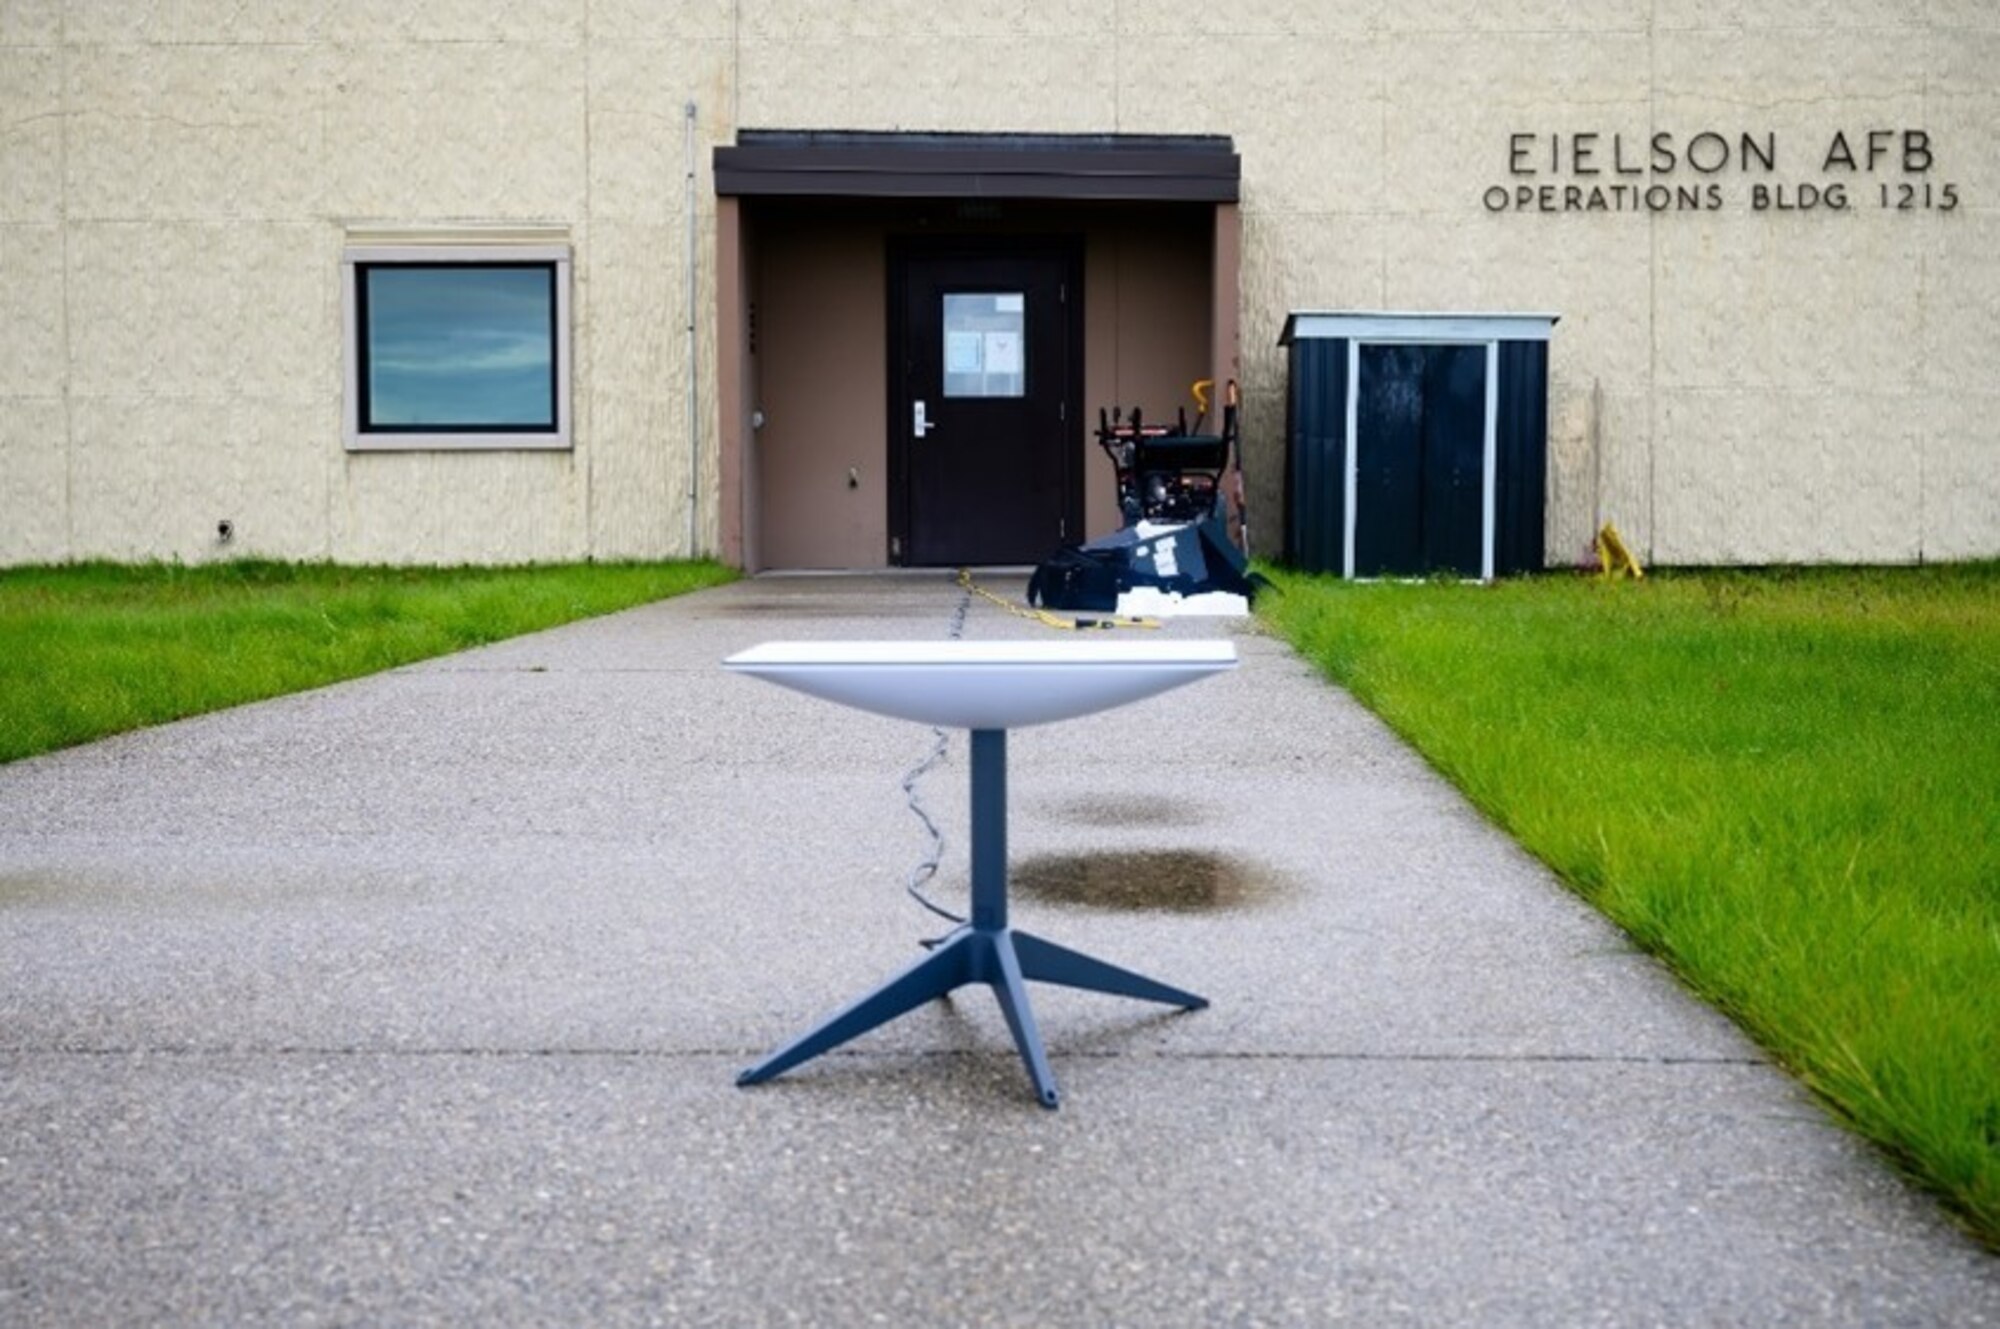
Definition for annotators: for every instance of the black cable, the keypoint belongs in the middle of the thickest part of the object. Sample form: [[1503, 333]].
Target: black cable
[[928, 868]]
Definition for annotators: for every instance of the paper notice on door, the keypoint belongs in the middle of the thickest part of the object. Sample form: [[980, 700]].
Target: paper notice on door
[[964, 353], [1003, 352]]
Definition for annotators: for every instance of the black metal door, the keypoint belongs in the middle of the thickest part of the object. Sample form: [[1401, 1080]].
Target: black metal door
[[1454, 460], [1388, 461], [983, 444], [1420, 460]]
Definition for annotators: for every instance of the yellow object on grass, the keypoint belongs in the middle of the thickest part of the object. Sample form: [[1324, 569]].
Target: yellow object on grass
[[1614, 558]]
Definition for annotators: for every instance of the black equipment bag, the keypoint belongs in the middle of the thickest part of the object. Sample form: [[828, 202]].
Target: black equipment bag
[[1076, 578], [1183, 560]]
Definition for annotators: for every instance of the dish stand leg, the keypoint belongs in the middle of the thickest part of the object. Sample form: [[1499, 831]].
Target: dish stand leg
[[987, 951]]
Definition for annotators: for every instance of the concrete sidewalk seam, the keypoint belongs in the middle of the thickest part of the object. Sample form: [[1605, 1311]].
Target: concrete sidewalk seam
[[1078, 1054]]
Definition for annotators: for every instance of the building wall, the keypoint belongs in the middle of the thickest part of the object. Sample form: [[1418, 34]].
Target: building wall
[[820, 365], [180, 183], [1146, 303], [1729, 384]]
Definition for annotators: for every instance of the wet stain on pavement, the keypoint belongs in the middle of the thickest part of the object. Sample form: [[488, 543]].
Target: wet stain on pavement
[[177, 894], [1129, 812], [1182, 881], [816, 609], [33, 888]]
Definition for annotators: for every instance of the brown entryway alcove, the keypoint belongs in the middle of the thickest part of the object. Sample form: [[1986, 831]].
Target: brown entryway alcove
[[916, 332]]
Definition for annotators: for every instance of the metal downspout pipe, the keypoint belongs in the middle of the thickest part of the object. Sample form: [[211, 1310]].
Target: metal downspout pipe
[[693, 353]]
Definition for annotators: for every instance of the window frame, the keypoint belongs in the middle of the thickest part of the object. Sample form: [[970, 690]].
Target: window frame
[[1014, 383], [358, 436]]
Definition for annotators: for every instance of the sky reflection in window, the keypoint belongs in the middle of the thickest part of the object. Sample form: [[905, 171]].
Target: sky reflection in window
[[460, 346]]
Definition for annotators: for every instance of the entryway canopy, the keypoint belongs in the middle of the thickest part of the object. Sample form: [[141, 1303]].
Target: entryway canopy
[[1190, 168], [847, 261]]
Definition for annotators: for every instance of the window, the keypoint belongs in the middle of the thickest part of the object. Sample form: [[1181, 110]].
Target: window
[[983, 353], [457, 347]]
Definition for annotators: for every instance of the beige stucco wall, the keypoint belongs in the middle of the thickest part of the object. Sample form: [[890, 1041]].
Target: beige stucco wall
[[177, 183], [180, 182]]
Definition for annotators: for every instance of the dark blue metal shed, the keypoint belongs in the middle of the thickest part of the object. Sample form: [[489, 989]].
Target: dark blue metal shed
[[1416, 443]]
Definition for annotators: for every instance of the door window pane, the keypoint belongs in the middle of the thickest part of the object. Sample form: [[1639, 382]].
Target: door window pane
[[985, 350]]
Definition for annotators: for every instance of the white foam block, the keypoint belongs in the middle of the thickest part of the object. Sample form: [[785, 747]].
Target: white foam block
[[1152, 602]]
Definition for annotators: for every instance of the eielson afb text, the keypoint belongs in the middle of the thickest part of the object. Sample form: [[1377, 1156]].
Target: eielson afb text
[[1889, 169]]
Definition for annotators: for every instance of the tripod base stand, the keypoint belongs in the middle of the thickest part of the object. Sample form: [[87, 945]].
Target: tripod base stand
[[1000, 958], [985, 951]]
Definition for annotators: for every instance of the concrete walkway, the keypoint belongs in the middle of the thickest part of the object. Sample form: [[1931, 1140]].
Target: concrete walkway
[[420, 1000]]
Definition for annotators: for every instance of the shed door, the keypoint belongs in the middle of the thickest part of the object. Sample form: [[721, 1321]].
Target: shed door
[[1420, 449], [982, 428]]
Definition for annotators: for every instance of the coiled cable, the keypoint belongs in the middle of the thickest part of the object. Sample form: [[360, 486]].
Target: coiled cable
[[927, 869]]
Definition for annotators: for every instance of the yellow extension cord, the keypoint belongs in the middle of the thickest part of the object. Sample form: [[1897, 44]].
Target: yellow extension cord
[[1047, 619]]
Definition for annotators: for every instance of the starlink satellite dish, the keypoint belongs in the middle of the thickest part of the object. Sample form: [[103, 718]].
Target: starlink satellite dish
[[989, 688], [985, 684]]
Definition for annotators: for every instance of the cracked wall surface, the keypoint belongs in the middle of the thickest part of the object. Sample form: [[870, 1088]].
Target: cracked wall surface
[[1730, 384]]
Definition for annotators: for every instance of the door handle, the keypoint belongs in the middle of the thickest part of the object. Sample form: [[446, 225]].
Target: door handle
[[920, 425]]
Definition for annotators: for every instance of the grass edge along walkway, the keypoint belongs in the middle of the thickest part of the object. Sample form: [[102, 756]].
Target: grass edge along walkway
[[1783, 784], [93, 649]]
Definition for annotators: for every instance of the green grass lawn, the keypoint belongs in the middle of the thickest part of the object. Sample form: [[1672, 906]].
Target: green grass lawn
[[93, 649], [1786, 784]]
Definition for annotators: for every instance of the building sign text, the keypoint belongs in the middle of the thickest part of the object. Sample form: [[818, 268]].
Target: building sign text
[[1892, 170]]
